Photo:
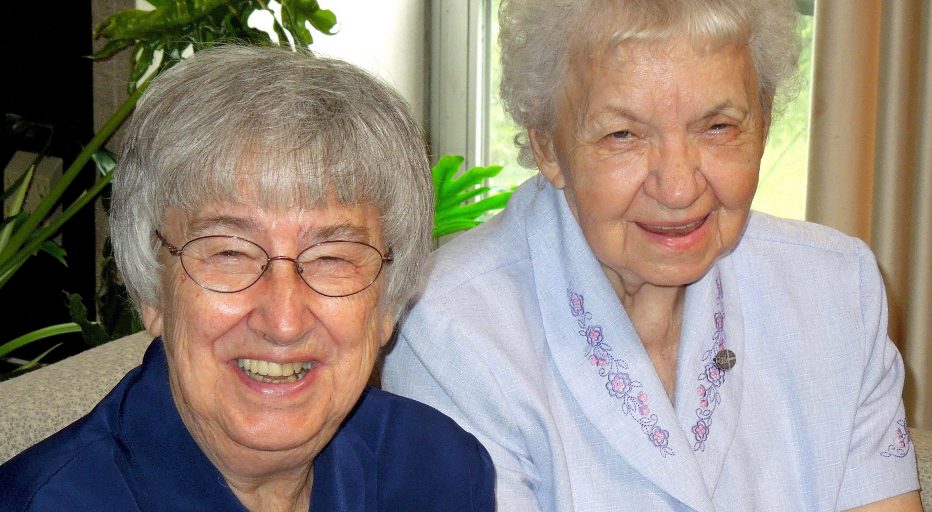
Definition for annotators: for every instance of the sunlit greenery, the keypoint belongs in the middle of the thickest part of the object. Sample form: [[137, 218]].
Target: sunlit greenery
[[782, 189]]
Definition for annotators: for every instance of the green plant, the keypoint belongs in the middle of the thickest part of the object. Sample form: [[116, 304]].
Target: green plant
[[453, 210], [161, 37]]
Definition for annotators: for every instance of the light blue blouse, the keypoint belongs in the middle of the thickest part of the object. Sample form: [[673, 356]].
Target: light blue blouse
[[520, 338]]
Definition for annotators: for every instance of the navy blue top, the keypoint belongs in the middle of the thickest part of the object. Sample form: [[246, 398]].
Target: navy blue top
[[132, 452]]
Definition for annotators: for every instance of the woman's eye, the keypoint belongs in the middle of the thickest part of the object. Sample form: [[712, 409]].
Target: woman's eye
[[329, 265], [228, 256], [622, 135]]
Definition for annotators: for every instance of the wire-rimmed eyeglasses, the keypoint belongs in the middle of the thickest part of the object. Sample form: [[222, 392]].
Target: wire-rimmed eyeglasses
[[230, 264]]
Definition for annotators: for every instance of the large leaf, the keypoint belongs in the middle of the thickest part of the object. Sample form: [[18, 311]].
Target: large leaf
[[38, 334], [453, 209], [168, 17], [174, 25]]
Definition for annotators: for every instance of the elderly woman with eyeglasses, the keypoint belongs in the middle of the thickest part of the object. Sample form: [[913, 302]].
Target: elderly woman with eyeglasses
[[270, 216], [627, 334]]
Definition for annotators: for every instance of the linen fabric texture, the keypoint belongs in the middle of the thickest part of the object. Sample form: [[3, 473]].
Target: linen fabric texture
[[520, 338], [132, 452]]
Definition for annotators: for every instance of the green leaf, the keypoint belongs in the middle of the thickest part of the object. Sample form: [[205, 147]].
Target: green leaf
[[162, 4], [448, 228], [29, 365], [13, 216], [123, 25], [296, 14], [54, 250], [111, 48], [453, 200], [168, 17], [94, 333], [142, 59], [450, 194], [471, 178], [19, 189], [104, 160], [38, 334], [476, 209], [324, 20], [292, 22], [443, 170]]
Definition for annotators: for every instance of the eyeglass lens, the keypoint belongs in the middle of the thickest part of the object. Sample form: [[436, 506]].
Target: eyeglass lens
[[231, 264]]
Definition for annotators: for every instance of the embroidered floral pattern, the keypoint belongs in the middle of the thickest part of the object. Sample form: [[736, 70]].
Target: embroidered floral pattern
[[712, 377], [901, 448], [618, 380]]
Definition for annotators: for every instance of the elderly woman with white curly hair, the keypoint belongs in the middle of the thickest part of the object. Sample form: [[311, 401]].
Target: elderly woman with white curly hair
[[627, 335], [270, 215]]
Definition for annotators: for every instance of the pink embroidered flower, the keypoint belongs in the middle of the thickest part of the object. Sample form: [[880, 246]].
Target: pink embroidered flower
[[700, 390], [700, 431], [659, 436], [719, 321], [714, 375], [704, 403], [576, 303], [903, 442], [594, 335], [619, 384]]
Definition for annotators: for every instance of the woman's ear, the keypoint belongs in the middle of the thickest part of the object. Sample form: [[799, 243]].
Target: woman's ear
[[387, 328], [546, 157], [152, 319]]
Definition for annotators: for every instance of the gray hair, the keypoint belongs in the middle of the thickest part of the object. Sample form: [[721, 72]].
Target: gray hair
[[298, 129], [538, 36]]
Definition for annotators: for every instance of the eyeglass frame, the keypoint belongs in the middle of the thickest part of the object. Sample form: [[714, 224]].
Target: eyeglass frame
[[176, 251]]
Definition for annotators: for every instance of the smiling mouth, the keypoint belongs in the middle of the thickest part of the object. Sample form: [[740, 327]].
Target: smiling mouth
[[674, 231], [274, 373]]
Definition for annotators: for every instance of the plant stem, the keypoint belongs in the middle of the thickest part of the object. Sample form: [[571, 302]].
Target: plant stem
[[9, 267], [47, 203]]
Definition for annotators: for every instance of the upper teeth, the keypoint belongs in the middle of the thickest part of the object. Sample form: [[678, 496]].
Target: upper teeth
[[673, 228], [272, 369]]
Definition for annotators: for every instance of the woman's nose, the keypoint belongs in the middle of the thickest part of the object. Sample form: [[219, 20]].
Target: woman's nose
[[282, 311], [675, 179]]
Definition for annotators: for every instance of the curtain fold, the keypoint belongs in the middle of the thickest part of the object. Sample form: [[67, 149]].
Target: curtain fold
[[870, 165]]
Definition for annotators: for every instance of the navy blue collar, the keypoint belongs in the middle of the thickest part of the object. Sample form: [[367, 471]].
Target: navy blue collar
[[165, 469]]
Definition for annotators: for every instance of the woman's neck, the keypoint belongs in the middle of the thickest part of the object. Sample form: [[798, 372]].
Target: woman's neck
[[261, 480], [275, 493], [657, 315]]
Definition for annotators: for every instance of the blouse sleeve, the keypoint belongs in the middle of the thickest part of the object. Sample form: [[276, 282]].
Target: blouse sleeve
[[443, 369], [881, 461]]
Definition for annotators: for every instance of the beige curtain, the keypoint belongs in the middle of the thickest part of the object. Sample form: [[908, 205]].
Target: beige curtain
[[870, 164]]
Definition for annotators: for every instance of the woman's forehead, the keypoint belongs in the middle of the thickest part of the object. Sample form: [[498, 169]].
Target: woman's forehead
[[330, 220], [638, 80]]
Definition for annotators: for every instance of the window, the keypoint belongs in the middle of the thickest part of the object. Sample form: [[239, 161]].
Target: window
[[782, 187]]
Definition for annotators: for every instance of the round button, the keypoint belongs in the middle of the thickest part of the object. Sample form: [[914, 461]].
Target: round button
[[725, 359]]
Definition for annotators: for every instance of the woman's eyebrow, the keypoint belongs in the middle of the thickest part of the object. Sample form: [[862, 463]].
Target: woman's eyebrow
[[727, 108], [319, 233], [204, 225], [342, 231]]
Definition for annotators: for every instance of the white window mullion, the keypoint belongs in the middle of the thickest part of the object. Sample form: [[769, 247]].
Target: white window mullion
[[459, 91]]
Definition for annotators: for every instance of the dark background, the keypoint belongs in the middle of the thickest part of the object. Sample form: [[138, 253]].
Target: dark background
[[48, 80]]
